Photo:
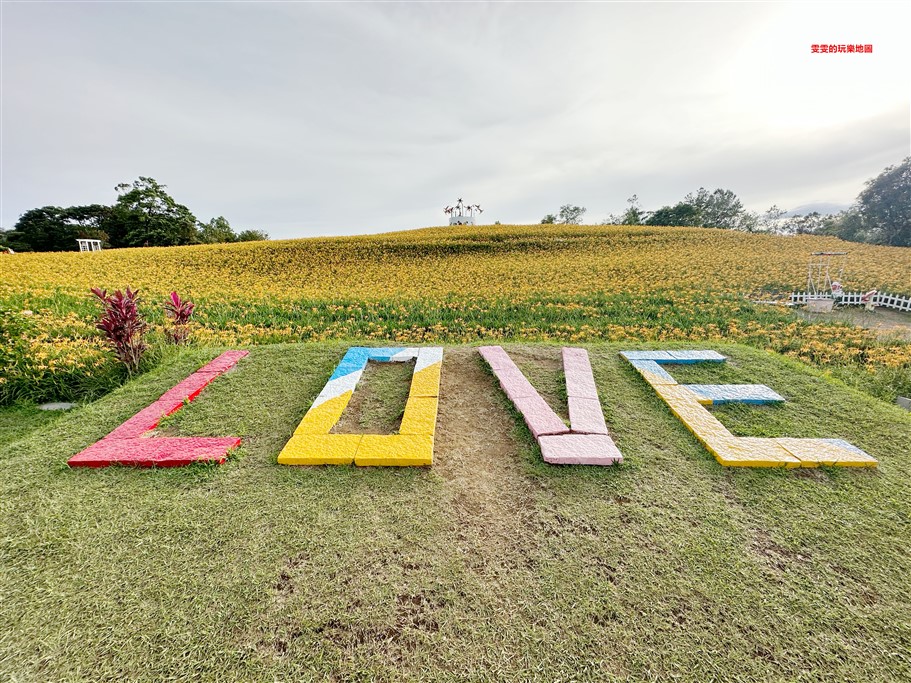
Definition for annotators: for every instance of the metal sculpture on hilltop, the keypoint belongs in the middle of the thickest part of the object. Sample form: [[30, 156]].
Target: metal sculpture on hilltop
[[462, 213]]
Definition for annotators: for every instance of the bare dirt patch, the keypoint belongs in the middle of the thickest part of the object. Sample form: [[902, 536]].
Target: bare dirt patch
[[492, 501]]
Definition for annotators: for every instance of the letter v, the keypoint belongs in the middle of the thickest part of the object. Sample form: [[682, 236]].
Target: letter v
[[586, 441]]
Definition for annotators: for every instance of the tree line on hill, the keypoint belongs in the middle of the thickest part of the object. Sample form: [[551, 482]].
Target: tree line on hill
[[881, 214], [144, 215]]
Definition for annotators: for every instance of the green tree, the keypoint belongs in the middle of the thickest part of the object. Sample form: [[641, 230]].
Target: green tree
[[680, 213], [721, 209], [772, 220], [90, 222], [571, 215], [548, 219], [634, 215], [716, 209], [848, 225], [147, 215], [885, 206], [216, 231], [809, 224], [252, 235], [44, 229], [11, 239], [52, 228]]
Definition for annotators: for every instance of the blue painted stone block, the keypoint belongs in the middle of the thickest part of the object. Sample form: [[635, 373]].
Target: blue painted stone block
[[652, 367], [657, 356], [756, 394], [695, 357]]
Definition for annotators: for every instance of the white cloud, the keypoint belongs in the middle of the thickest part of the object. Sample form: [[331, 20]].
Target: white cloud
[[325, 118]]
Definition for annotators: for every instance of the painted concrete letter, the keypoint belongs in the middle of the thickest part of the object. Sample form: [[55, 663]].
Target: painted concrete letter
[[312, 444], [585, 441], [127, 444], [688, 401]]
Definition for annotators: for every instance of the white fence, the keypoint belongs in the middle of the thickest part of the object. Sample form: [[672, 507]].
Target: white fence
[[899, 303]]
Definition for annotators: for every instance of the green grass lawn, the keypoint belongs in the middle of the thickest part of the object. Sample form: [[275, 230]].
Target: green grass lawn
[[489, 566], [19, 420]]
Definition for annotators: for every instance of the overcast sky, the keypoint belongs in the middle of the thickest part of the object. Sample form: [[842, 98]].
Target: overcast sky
[[329, 118]]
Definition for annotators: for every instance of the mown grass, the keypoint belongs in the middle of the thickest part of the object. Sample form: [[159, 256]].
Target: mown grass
[[489, 566], [19, 420], [379, 403]]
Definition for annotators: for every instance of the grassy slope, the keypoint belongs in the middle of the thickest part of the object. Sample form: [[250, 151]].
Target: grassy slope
[[19, 420], [489, 566]]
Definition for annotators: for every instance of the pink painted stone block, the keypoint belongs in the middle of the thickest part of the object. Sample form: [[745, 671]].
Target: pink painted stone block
[[515, 384], [579, 449], [580, 383], [163, 452], [575, 356], [496, 357], [224, 362], [586, 416], [539, 417], [589, 443], [578, 371]]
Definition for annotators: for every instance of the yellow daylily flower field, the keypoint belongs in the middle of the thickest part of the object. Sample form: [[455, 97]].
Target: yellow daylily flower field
[[562, 283]]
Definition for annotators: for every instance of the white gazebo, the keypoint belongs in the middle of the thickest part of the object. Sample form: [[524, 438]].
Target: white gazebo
[[89, 245], [462, 213]]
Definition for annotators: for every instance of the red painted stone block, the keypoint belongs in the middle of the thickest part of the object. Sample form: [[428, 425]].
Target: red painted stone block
[[145, 420], [124, 445], [161, 452], [224, 362], [189, 388]]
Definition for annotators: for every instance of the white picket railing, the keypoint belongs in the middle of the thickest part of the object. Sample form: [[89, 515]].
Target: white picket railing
[[899, 303]]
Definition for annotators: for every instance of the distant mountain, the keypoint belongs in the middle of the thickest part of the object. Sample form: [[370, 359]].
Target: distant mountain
[[822, 208]]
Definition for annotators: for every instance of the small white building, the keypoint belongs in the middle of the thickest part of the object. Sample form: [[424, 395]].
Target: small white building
[[89, 245], [461, 220]]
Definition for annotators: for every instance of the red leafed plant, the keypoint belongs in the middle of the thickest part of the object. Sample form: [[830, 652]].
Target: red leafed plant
[[123, 325], [179, 311]]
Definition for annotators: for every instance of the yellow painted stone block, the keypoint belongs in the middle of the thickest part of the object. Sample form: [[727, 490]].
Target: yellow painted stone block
[[420, 415], [655, 380], [398, 450], [813, 452], [684, 404], [320, 419], [320, 449], [747, 451], [675, 393], [426, 382], [729, 450]]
